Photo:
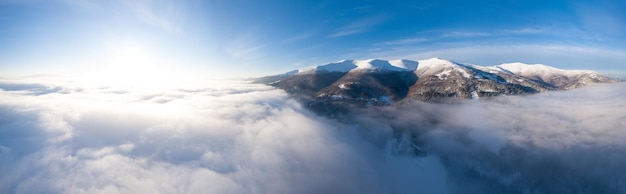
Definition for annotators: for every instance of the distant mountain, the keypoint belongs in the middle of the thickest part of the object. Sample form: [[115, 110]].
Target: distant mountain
[[382, 82]]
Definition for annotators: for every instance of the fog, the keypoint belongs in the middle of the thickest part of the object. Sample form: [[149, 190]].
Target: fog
[[554, 142], [59, 136]]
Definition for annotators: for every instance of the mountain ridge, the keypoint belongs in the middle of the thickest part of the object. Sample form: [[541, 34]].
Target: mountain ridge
[[385, 82]]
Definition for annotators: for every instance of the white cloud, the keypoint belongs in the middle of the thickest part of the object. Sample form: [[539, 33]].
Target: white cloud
[[554, 142], [235, 137], [226, 137]]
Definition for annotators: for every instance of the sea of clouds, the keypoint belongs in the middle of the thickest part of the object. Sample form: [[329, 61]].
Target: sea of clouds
[[228, 136]]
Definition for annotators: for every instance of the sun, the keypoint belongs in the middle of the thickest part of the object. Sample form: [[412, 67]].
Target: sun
[[134, 65]]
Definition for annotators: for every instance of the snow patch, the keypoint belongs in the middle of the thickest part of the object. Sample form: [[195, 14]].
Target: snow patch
[[475, 95], [336, 97], [444, 74], [463, 72], [489, 76]]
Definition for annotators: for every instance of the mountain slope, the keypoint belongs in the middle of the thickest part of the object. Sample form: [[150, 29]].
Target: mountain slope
[[440, 78], [377, 87], [562, 79], [382, 82]]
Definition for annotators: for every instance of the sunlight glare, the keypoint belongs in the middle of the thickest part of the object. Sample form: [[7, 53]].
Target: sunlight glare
[[135, 65]]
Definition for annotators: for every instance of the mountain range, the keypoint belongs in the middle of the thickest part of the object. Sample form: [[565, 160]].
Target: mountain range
[[385, 82]]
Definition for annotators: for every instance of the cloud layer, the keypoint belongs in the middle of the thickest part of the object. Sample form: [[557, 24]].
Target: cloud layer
[[233, 137], [555, 142], [230, 137]]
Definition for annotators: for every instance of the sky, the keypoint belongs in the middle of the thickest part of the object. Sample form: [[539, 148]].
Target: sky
[[239, 38]]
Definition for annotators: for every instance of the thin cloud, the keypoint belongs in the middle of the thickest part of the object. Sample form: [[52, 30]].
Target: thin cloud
[[562, 31], [404, 41], [253, 52], [359, 26], [602, 18], [464, 34], [167, 15], [246, 45], [301, 36], [526, 30]]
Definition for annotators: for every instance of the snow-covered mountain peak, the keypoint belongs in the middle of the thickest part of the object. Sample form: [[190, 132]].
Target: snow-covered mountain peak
[[445, 69], [518, 68], [378, 64], [538, 69], [339, 66], [432, 62], [345, 66], [441, 68], [405, 64]]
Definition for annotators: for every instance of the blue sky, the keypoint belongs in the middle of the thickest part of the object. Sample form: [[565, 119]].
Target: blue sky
[[238, 38]]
